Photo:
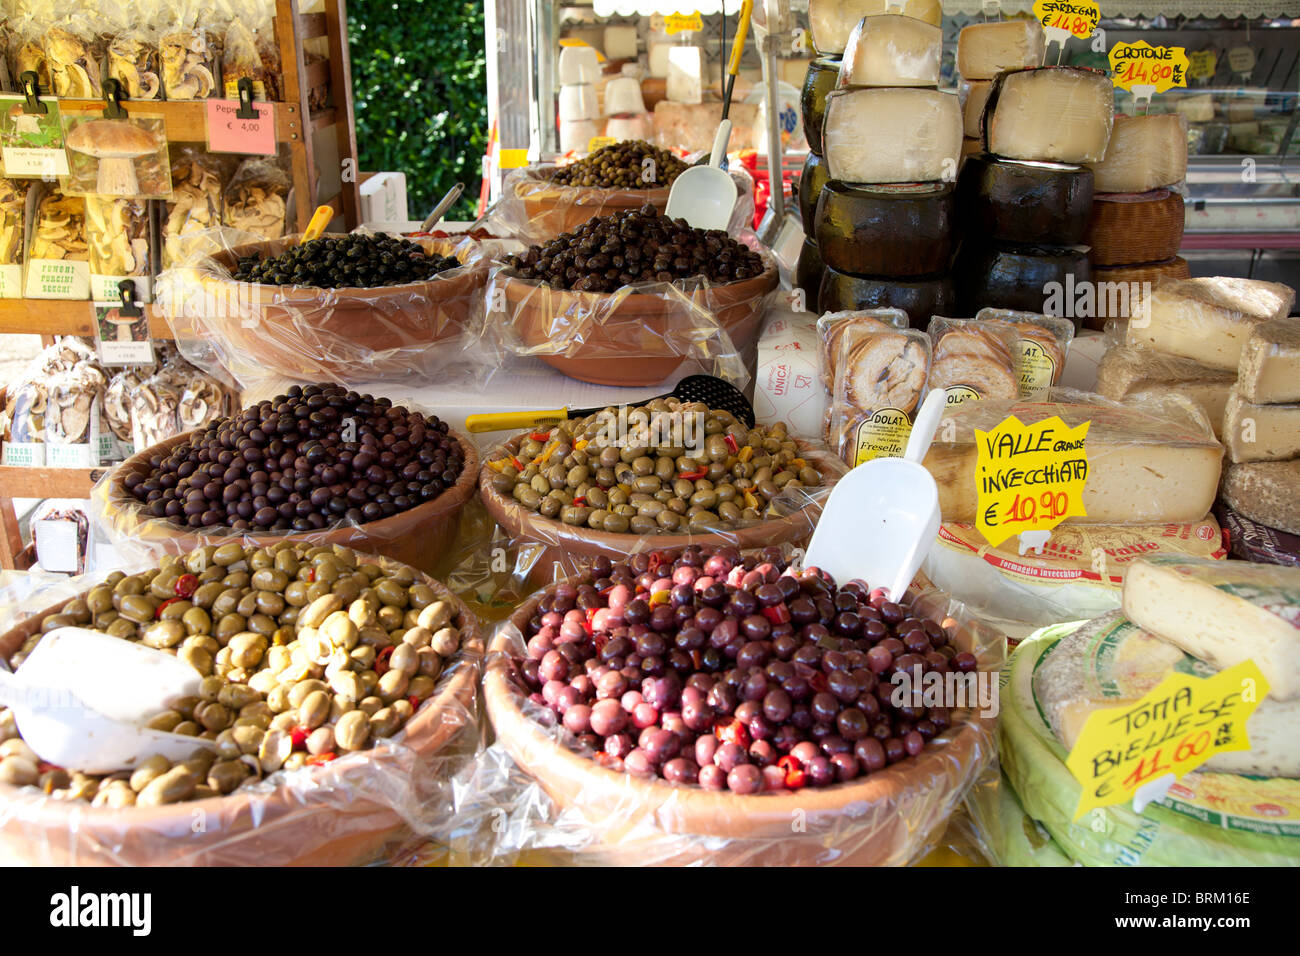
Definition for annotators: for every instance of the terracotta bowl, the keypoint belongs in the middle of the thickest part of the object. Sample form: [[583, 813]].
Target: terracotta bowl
[[552, 210], [330, 818], [566, 547], [883, 818], [623, 343], [418, 537], [306, 333]]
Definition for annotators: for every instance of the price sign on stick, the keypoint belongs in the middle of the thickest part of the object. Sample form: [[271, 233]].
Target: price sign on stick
[[1180, 724], [683, 23], [229, 133], [1145, 70], [1029, 477], [1062, 19], [1202, 64]]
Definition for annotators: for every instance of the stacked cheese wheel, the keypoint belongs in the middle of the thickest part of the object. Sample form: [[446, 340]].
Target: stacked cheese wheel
[[1137, 218], [891, 142], [817, 85], [1027, 197]]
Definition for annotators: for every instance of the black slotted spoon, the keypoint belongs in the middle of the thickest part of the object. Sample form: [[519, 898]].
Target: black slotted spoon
[[708, 389]]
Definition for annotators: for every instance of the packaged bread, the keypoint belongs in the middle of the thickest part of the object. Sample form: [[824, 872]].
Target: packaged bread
[[832, 326], [1042, 344], [880, 378], [73, 61], [255, 199], [973, 359]]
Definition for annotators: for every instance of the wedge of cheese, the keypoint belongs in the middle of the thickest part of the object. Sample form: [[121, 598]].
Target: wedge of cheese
[[831, 21], [1261, 432], [892, 50], [1127, 372], [973, 95], [1144, 467], [1222, 612], [892, 135], [986, 49], [1269, 371], [1144, 153], [1111, 662], [1057, 114], [1207, 319], [1267, 492]]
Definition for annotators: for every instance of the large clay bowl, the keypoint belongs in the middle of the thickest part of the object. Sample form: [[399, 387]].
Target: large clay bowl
[[334, 815], [552, 210], [566, 547], [620, 338], [305, 333], [418, 537], [882, 818]]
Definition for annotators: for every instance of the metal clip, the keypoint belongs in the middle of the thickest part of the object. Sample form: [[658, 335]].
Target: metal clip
[[246, 109], [126, 290], [113, 96], [32, 92]]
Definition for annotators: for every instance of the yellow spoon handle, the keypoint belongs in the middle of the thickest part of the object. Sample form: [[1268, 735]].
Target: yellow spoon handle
[[742, 28], [501, 421], [319, 220]]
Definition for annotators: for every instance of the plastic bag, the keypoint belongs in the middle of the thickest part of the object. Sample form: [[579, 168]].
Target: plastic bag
[[241, 59], [132, 53], [973, 359], [73, 54], [254, 200], [188, 57], [537, 789], [117, 235], [880, 379], [195, 206], [13, 217], [27, 52], [60, 228], [24, 417], [360, 807], [1042, 343]]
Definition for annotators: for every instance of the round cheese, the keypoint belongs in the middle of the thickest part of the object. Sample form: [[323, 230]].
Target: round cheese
[[831, 21], [986, 49], [919, 297], [811, 181], [1128, 228], [892, 135], [817, 84], [892, 50], [1143, 153], [886, 230], [1018, 201], [1023, 278], [973, 95]]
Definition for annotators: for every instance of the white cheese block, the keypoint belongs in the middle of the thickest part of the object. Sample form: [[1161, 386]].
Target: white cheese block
[[685, 74], [1144, 153], [1266, 492], [892, 50], [659, 59], [1111, 662], [1269, 370], [892, 135], [1056, 113], [578, 64], [1144, 467], [574, 136], [1127, 372], [620, 43], [986, 49], [1197, 108], [1261, 432], [578, 103], [1207, 319], [1222, 612], [831, 21], [973, 94]]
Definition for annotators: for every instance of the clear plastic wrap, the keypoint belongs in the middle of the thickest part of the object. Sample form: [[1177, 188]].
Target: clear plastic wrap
[[880, 379], [27, 51], [117, 234], [1042, 343], [1269, 370], [537, 789], [132, 53], [1125, 374], [241, 59], [256, 332], [361, 807], [187, 56], [255, 199], [973, 359], [195, 207], [73, 54], [1004, 832]]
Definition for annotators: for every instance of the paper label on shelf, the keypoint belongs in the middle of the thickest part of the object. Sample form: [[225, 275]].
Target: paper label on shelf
[[1029, 477], [1077, 17], [71, 456], [57, 279], [882, 435], [121, 340], [1139, 65], [227, 133], [1202, 64], [11, 281], [31, 144], [683, 23], [23, 454], [1176, 727]]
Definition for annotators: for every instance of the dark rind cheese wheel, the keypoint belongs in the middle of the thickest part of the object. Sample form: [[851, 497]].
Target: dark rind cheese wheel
[[893, 229], [1252, 541], [820, 79], [920, 297], [1135, 227], [808, 274], [811, 181], [1022, 278], [1022, 201]]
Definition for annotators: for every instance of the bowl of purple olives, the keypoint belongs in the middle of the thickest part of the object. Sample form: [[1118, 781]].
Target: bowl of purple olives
[[318, 462], [721, 694]]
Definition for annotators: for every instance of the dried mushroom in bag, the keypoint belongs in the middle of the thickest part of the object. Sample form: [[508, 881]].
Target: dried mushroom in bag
[[74, 65], [241, 60], [13, 204], [117, 233], [187, 65], [133, 62], [27, 401], [26, 55], [60, 230], [117, 399], [195, 206], [73, 398], [255, 198], [202, 401], [154, 415]]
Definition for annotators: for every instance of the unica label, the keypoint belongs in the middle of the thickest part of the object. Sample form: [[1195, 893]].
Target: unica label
[[1143, 69], [1035, 368], [1029, 477], [1179, 725], [883, 434], [1076, 17]]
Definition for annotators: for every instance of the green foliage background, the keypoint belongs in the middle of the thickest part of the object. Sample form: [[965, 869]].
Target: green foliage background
[[419, 84]]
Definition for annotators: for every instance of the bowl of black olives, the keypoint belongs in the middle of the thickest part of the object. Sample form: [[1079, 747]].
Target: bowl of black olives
[[596, 304], [319, 462], [344, 305]]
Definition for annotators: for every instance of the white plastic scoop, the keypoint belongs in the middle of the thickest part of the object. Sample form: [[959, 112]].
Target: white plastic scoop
[[81, 698], [883, 516], [704, 195]]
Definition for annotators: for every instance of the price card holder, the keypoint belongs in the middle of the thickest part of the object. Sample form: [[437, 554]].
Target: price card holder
[[1241, 60], [1137, 751], [1062, 19], [231, 130], [31, 134], [1202, 64], [1029, 478], [1145, 70], [122, 329]]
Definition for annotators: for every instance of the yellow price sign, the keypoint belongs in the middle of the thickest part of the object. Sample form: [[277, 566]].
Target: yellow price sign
[[1143, 69], [1202, 64], [600, 142], [683, 23], [1074, 17], [1029, 477], [1180, 724]]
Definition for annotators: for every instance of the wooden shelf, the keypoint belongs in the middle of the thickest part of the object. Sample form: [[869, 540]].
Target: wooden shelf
[[61, 317], [187, 122]]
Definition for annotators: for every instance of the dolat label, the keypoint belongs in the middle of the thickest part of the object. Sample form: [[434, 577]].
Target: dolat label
[[683, 23], [31, 144], [1029, 477], [227, 133], [1035, 367], [883, 434], [1179, 725], [1202, 64], [957, 394], [1145, 70], [600, 142], [1061, 18]]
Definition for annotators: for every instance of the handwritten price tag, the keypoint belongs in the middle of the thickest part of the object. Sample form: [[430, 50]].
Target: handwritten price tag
[[600, 142], [1066, 18], [1202, 64], [1174, 729], [1145, 70], [1029, 477], [679, 23], [227, 133]]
